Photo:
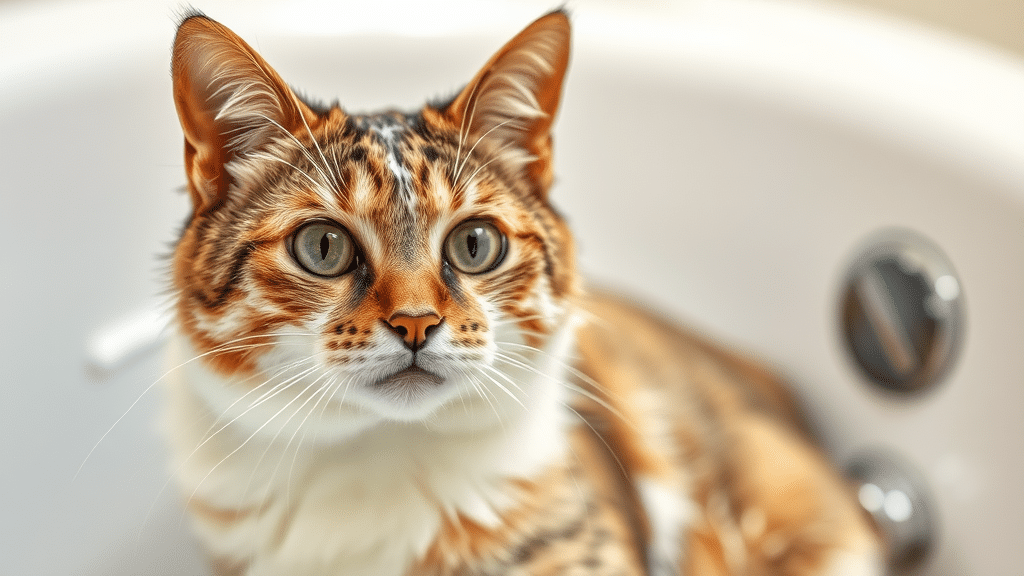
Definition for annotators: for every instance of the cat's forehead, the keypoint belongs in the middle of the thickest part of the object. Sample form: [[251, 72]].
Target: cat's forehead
[[396, 164], [390, 147], [385, 125]]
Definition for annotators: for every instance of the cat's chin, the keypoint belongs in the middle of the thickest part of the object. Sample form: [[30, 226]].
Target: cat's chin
[[410, 394], [410, 383]]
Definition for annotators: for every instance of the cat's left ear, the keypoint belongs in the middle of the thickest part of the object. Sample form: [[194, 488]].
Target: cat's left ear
[[512, 101]]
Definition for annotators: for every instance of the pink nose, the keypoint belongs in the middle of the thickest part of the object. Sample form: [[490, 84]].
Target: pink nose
[[413, 329]]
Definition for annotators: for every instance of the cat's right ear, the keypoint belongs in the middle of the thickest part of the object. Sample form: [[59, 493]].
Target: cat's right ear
[[230, 104]]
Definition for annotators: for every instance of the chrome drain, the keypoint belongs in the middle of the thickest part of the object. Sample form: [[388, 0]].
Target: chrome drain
[[902, 311]]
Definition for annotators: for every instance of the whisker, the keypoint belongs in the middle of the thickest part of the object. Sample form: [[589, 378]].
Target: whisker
[[269, 157], [495, 157], [316, 394], [475, 144], [482, 391], [249, 439], [601, 437], [573, 387], [468, 126], [207, 436], [218, 350], [570, 386], [501, 386], [337, 186], [304, 150]]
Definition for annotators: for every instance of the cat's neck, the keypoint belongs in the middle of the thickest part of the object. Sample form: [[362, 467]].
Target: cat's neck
[[381, 485]]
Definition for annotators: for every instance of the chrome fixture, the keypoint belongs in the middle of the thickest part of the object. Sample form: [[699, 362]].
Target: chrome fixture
[[902, 311], [893, 493]]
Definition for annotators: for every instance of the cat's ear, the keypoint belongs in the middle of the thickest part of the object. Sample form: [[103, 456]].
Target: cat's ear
[[230, 103], [514, 97]]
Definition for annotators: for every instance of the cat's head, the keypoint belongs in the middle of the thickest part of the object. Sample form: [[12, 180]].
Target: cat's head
[[389, 263]]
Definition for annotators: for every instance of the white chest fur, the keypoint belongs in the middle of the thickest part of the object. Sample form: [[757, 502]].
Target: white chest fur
[[369, 504]]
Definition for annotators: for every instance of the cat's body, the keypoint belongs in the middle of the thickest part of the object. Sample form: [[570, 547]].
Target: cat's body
[[390, 366]]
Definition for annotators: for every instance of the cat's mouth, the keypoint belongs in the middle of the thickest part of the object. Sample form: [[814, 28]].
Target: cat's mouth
[[411, 377]]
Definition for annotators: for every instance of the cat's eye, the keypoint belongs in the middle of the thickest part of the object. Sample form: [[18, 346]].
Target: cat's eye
[[475, 247], [324, 249]]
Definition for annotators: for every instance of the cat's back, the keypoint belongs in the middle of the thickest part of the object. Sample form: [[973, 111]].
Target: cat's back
[[624, 345], [715, 450]]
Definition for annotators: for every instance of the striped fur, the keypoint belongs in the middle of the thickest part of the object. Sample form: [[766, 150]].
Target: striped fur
[[526, 427]]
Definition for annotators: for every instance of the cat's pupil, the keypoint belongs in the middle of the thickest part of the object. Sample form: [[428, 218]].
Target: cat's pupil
[[471, 244], [325, 245]]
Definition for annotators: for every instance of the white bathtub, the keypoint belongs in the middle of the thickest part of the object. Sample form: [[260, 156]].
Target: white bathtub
[[722, 160]]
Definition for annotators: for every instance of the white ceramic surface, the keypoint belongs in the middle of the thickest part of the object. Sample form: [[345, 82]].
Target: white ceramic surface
[[719, 159]]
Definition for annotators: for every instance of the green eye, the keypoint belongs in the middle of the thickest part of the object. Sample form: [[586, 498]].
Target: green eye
[[475, 247], [324, 249]]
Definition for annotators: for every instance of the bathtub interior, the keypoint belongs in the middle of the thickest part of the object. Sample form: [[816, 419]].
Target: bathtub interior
[[720, 160]]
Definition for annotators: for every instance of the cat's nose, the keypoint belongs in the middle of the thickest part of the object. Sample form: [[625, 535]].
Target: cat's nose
[[414, 330]]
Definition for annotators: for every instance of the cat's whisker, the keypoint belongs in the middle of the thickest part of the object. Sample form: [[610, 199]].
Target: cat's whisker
[[515, 319], [462, 398], [484, 393], [142, 395], [526, 347], [322, 170], [534, 333], [570, 386], [348, 384], [320, 187], [572, 370], [524, 331], [207, 436], [567, 405], [305, 124], [281, 370], [274, 390], [467, 125], [280, 386], [496, 156], [326, 392], [469, 154], [601, 437], [504, 377], [334, 384], [318, 394], [247, 440], [270, 479], [502, 386], [227, 346]]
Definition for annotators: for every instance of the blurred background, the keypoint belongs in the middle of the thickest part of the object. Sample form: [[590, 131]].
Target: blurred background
[[836, 187], [994, 21]]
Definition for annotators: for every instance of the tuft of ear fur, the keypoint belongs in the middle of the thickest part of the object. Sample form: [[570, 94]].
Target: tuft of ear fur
[[513, 99], [230, 103]]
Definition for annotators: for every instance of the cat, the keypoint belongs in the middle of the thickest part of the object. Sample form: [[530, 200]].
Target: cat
[[389, 364]]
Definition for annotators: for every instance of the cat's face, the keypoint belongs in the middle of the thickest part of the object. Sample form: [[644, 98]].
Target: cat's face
[[389, 263]]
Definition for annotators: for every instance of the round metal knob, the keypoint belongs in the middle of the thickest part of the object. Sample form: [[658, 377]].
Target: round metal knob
[[902, 314], [894, 494]]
